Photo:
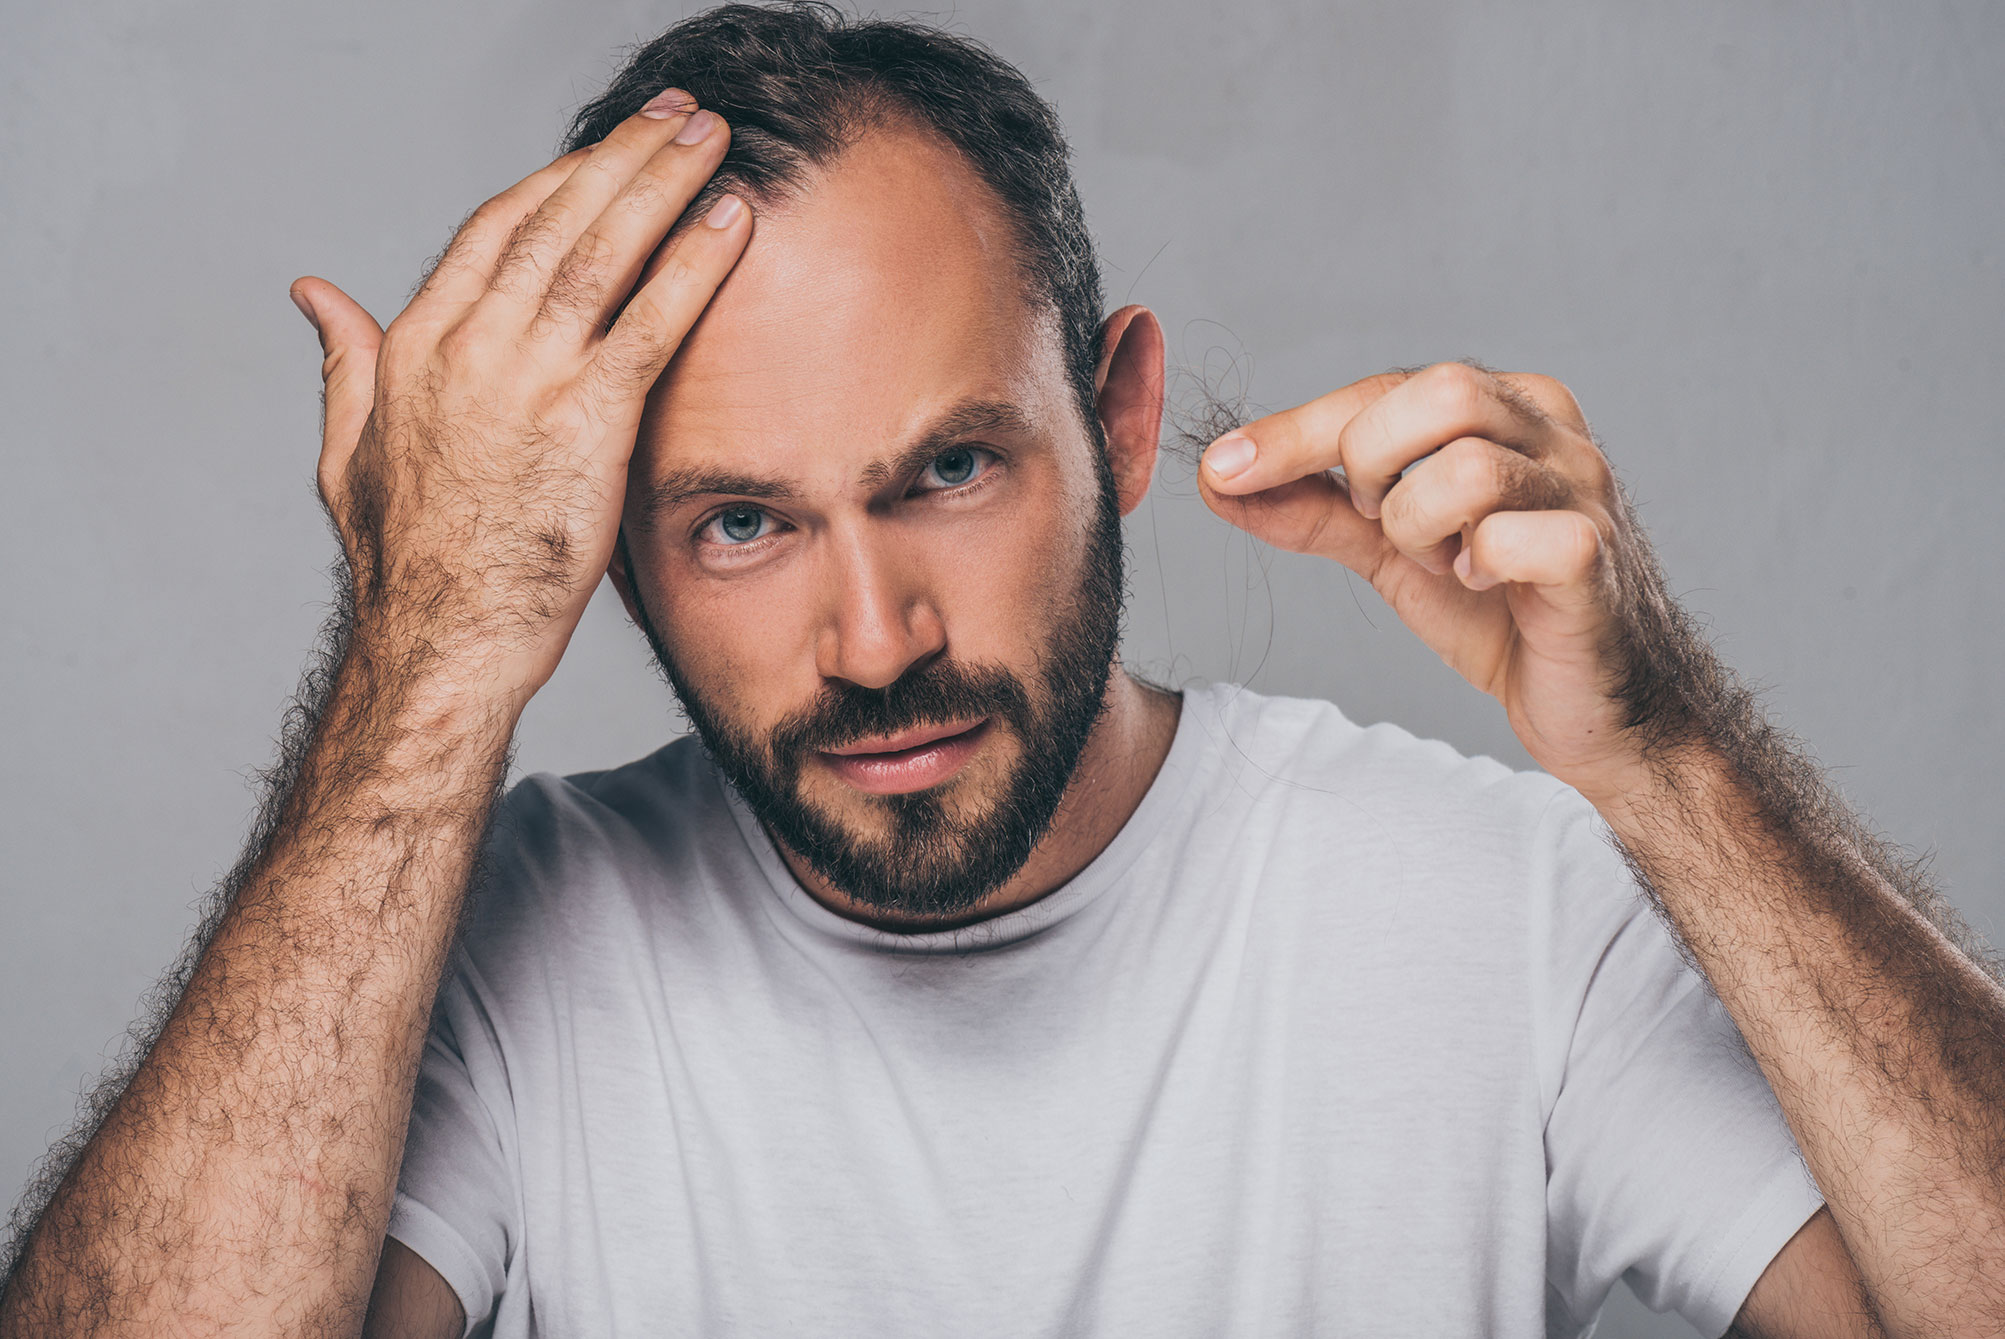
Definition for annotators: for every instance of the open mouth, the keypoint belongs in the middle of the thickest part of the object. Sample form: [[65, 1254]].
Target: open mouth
[[909, 760]]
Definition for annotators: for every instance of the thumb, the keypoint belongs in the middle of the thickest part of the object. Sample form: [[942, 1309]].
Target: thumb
[[349, 338], [1312, 514]]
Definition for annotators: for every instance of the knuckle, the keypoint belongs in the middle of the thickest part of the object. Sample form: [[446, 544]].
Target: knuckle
[[640, 319], [328, 483], [468, 354], [600, 159], [1361, 446], [629, 362], [1469, 468], [515, 276], [677, 269], [592, 254], [1396, 514], [574, 289], [488, 215], [484, 222], [629, 135], [400, 344], [1553, 397], [533, 234], [1454, 387], [562, 302], [1403, 530], [644, 197], [1407, 511], [463, 341]]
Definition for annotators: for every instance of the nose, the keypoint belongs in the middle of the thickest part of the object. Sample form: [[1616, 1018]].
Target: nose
[[881, 618]]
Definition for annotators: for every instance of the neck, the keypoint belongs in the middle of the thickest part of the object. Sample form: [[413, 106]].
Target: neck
[[1123, 753]]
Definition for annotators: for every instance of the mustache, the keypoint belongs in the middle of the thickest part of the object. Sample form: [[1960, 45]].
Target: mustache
[[942, 692]]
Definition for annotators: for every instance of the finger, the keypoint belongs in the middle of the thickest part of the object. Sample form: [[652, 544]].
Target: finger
[[603, 264], [349, 339], [1552, 397], [1426, 412], [1444, 496], [540, 243], [1557, 552], [461, 273], [650, 329], [1311, 514], [1296, 442]]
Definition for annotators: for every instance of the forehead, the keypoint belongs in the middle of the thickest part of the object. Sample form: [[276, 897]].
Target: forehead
[[883, 292]]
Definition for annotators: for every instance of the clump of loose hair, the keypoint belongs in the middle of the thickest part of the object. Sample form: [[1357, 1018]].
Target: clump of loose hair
[[799, 82]]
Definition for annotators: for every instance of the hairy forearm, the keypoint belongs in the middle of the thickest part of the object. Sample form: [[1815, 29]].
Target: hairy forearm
[[243, 1181], [1883, 1040]]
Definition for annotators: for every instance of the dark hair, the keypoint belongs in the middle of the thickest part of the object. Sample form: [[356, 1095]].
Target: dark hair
[[799, 82]]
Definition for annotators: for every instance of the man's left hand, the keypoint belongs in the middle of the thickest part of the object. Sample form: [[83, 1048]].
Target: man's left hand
[[1480, 508]]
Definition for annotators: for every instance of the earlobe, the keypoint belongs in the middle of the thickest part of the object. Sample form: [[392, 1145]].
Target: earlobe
[[1130, 381]]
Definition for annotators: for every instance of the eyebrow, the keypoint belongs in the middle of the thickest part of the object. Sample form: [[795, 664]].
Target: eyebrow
[[970, 418]]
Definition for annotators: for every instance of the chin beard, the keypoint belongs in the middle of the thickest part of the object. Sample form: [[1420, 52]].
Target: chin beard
[[933, 853]]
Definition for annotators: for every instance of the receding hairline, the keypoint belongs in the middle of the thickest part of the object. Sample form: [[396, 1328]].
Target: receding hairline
[[890, 120]]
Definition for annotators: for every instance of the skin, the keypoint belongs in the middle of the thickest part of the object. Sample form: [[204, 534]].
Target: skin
[[860, 577], [473, 462], [1478, 505], [482, 453]]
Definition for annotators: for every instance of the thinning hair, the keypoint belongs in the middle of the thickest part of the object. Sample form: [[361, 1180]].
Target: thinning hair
[[800, 82]]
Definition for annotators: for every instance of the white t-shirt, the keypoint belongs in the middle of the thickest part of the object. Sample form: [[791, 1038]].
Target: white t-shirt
[[1343, 1034]]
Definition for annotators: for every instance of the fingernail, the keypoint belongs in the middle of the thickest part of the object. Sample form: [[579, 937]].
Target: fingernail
[[1230, 455], [698, 127], [305, 310], [725, 212], [669, 102]]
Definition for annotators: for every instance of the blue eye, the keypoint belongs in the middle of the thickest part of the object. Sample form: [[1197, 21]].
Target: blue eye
[[738, 525], [951, 469]]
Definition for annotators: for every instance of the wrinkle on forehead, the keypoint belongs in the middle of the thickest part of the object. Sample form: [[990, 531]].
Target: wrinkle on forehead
[[884, 289]]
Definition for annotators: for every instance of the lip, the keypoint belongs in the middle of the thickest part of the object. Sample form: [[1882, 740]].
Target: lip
[[909, 760], [916, 737]]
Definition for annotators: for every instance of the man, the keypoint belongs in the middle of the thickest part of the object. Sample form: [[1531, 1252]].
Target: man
[[962, 982]]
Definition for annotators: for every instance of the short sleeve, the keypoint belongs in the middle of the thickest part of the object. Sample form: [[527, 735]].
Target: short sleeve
[[1668, 1162], [457, 1206]]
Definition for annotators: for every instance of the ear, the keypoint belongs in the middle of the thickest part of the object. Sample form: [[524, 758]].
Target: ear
[[1129, 383], [622, 579]]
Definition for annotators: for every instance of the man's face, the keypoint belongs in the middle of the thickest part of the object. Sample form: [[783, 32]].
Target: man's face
[[873, 545]]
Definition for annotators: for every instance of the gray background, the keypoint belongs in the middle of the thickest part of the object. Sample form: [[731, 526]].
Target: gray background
[[1761, 241]]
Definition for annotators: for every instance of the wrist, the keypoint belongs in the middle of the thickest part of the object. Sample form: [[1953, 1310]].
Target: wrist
[[412, 710], [1666, 794], [440, 676]]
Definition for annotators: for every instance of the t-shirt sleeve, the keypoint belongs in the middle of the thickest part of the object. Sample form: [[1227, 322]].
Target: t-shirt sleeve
[[456, 1204], [1668, 1163]]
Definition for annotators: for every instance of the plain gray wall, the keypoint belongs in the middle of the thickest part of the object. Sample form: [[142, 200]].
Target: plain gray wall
[[1761, 241]]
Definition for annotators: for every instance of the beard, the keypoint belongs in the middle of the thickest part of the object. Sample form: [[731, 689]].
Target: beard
[[934, 852]]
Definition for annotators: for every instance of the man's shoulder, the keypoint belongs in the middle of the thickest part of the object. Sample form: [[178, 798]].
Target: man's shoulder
[[656, 791], [581, 844], [1306, 750], [1380, 807]]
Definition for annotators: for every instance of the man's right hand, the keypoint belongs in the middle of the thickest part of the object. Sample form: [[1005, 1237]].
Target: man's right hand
[[474, 462], [475, 454]]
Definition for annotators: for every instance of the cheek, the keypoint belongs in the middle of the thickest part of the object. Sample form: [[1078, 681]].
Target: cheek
[[745, 645], [998, 579]]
